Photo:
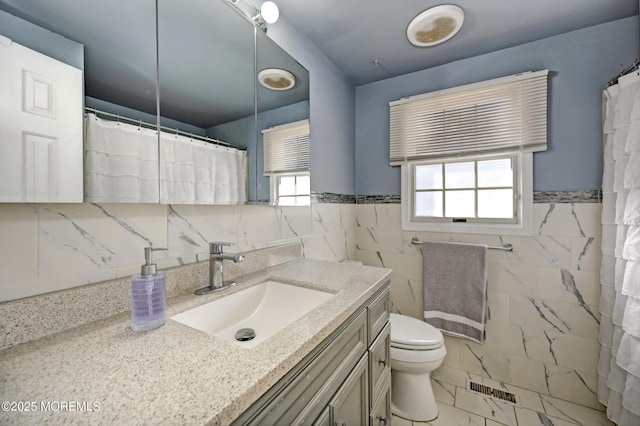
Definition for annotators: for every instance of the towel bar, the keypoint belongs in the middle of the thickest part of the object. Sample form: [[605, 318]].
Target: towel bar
[[506, 247]]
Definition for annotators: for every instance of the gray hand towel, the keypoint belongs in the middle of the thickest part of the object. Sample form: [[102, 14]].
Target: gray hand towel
[[455, 288]]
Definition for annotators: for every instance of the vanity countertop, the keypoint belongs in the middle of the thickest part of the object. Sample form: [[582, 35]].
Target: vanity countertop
[[175, 374]]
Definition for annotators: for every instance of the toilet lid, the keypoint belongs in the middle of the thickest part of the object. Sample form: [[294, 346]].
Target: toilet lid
[[410, 333]]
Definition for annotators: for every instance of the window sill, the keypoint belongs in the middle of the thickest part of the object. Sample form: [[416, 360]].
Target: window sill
[[467, 228]]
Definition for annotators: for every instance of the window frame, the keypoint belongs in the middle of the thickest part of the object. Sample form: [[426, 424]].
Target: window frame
[[274, 180], [522, 224]]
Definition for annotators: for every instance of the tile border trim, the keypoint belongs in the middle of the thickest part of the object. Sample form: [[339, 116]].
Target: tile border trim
[[589, 196]]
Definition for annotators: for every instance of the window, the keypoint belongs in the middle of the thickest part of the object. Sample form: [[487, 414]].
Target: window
[[488, 194], [291, 189], [286, 162], [286, 148], [465, 190], [466, 155]]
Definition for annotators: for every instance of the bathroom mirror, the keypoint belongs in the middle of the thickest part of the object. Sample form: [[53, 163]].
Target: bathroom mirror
[[115, 42], [208, 55], [282, 101], [206, 80], [216, 85]]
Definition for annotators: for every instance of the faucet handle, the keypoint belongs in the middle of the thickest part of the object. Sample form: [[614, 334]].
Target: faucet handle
[[216, 247]]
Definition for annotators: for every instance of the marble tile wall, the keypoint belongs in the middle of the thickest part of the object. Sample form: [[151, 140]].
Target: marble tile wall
[[543, 297], [50, 247], [29, 318], [332, 235]]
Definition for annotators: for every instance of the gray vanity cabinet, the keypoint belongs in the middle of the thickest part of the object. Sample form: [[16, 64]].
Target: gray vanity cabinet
[[346, 380], [381, 409], [349, 406]]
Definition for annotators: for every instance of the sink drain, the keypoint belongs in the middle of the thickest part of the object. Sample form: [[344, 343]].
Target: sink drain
[[245, 334]]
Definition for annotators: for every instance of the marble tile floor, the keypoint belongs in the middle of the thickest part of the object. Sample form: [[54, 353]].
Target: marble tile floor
[[458, 406]]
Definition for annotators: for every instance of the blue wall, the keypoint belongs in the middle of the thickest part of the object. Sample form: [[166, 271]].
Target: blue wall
[[580, 64], [332, 105], [105, 106], [42, 40]]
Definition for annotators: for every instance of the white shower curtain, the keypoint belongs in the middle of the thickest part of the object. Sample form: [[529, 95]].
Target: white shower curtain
[[121, 162], [121, 166], [197, 172], [619, 365]]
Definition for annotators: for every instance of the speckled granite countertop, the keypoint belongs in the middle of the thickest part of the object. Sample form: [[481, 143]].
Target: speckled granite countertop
[[175, 374]]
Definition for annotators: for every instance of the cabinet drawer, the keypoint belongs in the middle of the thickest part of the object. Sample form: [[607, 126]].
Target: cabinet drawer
[[381, 410], [378, 314], [302, 400], [379, 362]]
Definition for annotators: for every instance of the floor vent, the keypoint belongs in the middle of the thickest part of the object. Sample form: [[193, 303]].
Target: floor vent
[[493, 392]]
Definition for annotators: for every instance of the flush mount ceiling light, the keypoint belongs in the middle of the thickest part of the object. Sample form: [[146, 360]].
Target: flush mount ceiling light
[[435, 25], [276, 79]]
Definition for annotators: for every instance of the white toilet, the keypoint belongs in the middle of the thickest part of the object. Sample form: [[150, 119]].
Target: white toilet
[[417, 348]]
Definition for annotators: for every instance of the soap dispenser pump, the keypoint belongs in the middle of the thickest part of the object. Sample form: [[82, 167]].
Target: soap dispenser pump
[[148, 295]]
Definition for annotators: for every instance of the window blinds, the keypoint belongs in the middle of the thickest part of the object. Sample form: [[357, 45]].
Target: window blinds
[[286, 148], [503, 115]]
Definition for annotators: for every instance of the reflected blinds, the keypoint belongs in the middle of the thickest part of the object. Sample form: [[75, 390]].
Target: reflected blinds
[[286, 148], [503, 115]]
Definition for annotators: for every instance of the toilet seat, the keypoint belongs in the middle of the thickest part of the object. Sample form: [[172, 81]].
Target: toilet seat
[[412, 334]]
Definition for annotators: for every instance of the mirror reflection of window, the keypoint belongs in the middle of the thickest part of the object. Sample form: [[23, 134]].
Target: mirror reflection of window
[[292, 189], [286, 162]]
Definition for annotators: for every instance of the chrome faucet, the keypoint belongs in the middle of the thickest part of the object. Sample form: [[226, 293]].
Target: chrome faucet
[[216, 278]]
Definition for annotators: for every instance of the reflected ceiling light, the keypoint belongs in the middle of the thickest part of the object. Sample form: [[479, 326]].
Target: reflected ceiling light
[[276, 79], [269, 12], [435, 25]]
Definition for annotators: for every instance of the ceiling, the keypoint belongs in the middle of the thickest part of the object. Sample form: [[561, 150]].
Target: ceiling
[[119, 40], [355, 33]]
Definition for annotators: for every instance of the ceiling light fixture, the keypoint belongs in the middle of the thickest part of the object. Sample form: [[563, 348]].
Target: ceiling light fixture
[[435, 25], [269, 12], [276, 79]]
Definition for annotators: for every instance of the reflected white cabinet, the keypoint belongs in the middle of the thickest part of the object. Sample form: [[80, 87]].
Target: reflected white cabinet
[[40, 127]]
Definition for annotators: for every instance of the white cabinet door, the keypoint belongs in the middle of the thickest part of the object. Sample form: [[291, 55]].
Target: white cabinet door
[[41, 155]]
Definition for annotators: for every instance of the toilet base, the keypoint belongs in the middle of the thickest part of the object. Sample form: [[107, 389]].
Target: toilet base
[[412, 396]]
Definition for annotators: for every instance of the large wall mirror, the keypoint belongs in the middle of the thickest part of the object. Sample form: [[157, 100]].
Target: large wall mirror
[[206, 57], [112, 42], [212, 111]]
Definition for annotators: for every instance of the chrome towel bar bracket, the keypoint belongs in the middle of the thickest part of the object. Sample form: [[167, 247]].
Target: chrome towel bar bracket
[[506, 247]]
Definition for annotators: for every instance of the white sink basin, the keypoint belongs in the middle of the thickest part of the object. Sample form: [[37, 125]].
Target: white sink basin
[[266, 308]]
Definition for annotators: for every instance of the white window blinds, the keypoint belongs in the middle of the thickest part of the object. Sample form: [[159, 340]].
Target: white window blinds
[[286, 148], [502, 115]]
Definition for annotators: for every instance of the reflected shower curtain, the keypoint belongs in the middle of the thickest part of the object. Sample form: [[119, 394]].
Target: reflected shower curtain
[[121, 166], [619, 365], [197, 172], [121, 162]]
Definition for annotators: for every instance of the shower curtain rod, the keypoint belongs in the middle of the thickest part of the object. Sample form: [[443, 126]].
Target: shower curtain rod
[[166, 129], [631, 68], [506, 247]]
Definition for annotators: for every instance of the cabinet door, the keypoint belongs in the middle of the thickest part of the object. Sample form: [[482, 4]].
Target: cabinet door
[[379, 363], [40, 127], [381, 411], [349, 406], [324, 419]]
